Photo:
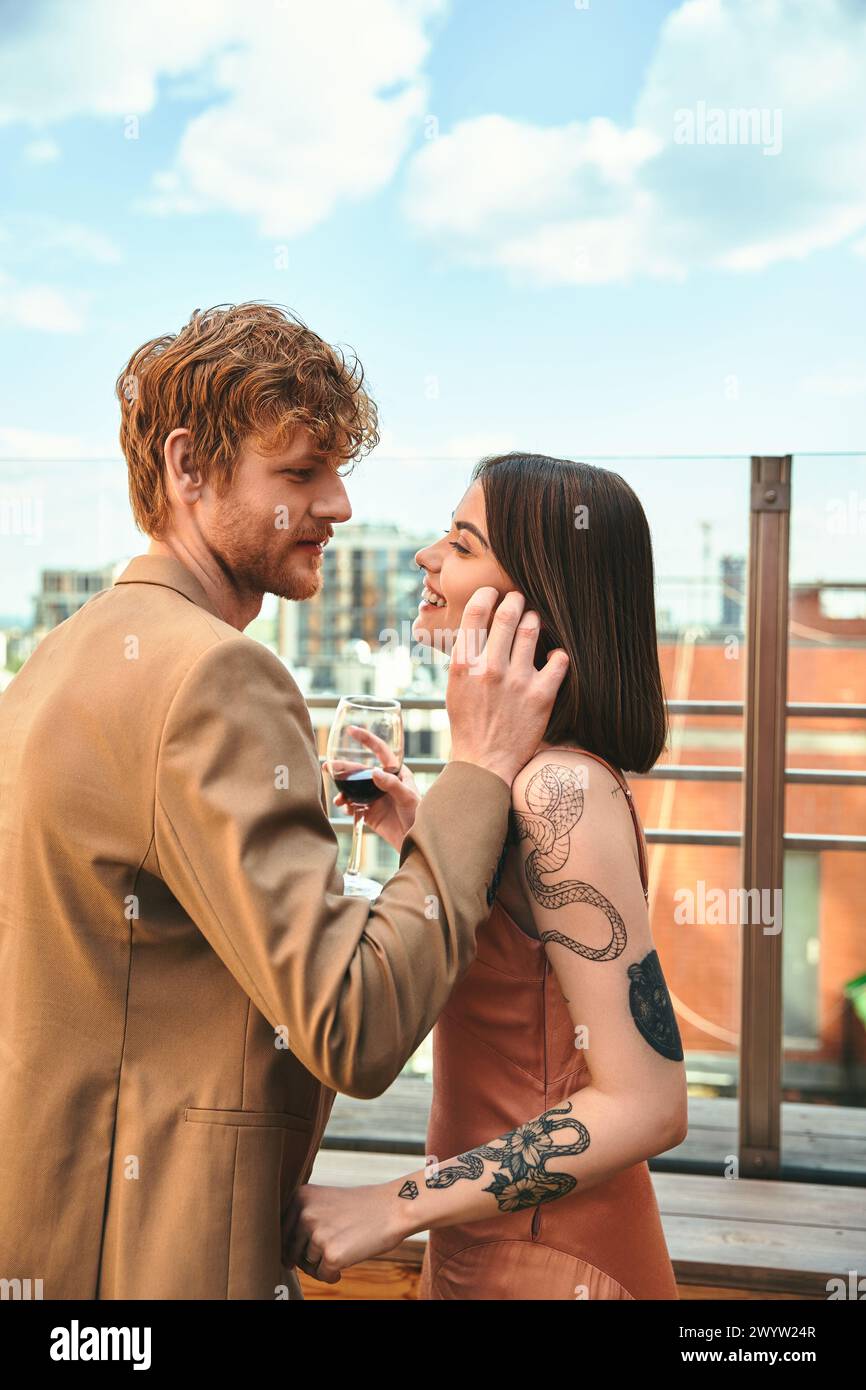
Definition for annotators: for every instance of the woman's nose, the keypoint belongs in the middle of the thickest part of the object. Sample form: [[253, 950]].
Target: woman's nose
[[426, 558]]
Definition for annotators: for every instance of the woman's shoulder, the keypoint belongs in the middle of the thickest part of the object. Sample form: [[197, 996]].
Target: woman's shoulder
[[554, 772], [563, 790]]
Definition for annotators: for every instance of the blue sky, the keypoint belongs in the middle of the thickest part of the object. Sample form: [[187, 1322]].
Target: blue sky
[[493, 203]]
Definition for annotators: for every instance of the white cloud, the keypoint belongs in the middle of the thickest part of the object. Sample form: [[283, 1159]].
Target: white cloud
[[101, 58], [48, 308], [322, 102], [26, 237], [524, 167], [591, 202], [309, 106], [503, 191], [312, 104], [40, 307]]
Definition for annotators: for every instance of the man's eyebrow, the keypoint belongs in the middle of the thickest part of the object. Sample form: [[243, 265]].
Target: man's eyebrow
[[467, 526]]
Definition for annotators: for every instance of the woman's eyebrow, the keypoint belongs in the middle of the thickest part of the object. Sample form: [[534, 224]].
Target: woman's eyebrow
[[467, 526]]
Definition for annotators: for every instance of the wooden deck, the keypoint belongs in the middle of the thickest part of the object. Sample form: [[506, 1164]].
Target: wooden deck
[[820, 1142]]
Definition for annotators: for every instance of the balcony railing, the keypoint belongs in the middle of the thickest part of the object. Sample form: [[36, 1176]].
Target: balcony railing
[[689, 772]]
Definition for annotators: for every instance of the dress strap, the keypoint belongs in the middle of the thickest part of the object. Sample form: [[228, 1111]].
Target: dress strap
[[641, 844]]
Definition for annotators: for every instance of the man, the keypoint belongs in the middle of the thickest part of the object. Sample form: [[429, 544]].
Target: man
[[183, 985]]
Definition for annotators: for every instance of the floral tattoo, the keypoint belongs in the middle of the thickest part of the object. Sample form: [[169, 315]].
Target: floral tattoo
[[523, 1178]]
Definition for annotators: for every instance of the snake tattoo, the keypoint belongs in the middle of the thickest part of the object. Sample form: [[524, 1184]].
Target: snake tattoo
[[522, 1156], [555, 797]]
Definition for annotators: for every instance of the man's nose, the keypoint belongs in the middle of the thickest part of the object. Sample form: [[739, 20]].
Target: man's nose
[[333, 502]]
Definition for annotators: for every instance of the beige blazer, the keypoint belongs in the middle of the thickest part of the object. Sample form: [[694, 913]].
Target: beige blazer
[[183, 985]]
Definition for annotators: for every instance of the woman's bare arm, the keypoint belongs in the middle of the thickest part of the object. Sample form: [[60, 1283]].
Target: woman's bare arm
[[579, 855]]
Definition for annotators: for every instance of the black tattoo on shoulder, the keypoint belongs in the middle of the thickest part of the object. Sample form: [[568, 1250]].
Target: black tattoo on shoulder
[[555, 797], [651, 1007], [409, 1190], [523, 1178]]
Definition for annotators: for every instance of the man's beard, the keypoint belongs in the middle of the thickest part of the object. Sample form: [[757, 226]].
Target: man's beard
[[251, 568]]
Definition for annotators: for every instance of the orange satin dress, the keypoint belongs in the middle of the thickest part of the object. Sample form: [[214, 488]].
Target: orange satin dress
[[503, 1052]]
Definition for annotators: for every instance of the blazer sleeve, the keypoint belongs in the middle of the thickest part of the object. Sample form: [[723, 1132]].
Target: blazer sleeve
[[242, 839]]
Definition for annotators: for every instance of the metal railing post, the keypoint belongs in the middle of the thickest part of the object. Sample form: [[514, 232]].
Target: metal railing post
[[764, 815]]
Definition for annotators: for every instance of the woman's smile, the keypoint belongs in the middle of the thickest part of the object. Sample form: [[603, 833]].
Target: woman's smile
[[430, 598]]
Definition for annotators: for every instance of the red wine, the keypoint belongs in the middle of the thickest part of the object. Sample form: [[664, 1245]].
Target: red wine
[[359, 786]]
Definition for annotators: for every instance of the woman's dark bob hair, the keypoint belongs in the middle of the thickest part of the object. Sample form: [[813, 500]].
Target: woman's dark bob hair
[[575, 540]]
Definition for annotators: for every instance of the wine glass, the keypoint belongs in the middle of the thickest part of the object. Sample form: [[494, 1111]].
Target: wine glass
[[366, 733]]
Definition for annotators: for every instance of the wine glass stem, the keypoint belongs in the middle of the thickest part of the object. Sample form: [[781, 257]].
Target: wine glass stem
[[354, 865]]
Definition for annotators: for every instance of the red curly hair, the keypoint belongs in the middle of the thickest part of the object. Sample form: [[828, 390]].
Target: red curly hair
[[232, 372]]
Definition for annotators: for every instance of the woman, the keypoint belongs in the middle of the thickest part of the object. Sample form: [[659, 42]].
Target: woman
[[557, 1064]]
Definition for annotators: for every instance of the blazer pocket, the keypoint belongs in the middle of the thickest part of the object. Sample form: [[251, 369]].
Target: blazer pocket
[[253, 1160], [269, 1119]]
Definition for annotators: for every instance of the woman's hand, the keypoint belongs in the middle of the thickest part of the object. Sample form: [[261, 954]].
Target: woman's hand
[[329, 1228], [393, 814]]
